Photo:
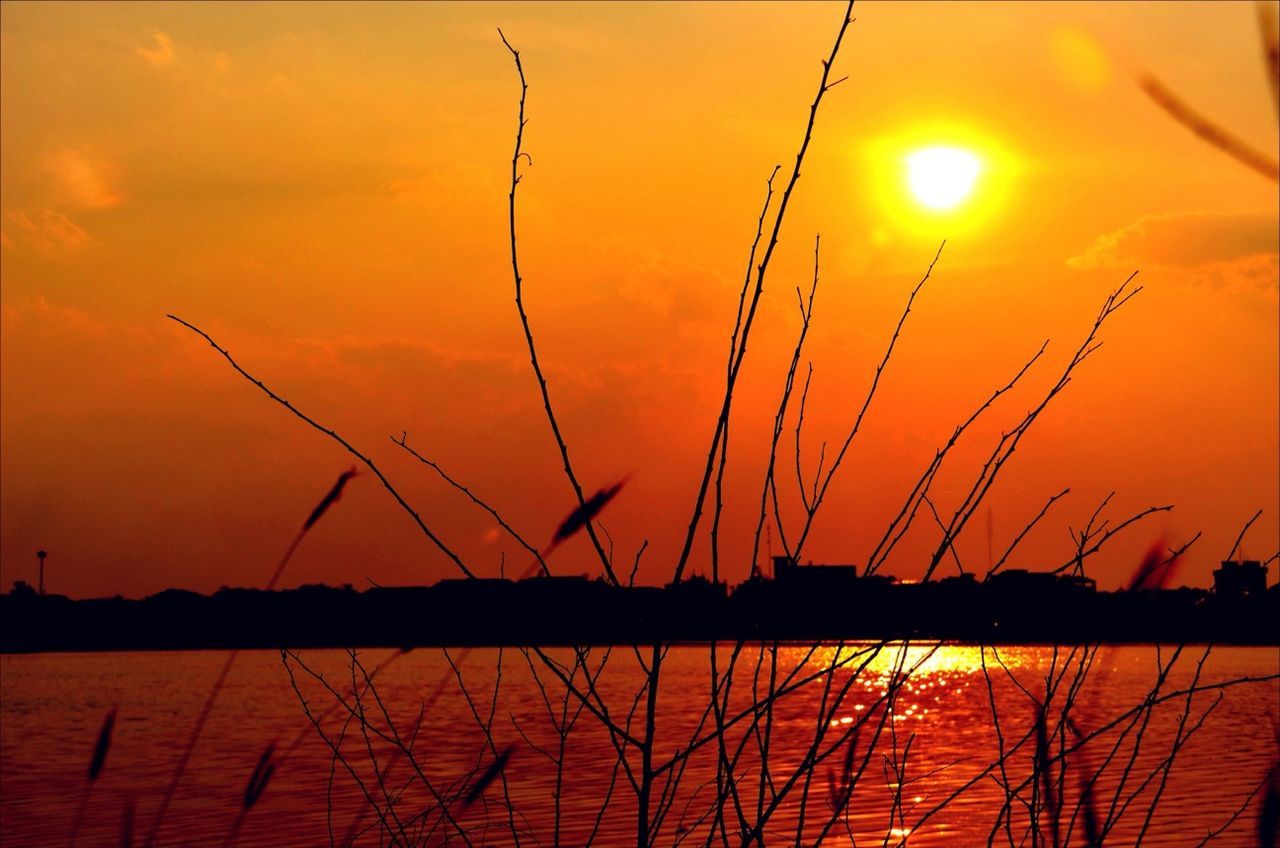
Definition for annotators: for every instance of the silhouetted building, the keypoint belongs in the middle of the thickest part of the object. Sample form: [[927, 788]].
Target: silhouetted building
[[966, 582], [474, 585], [1240, 579], [564, 590], [1019, 580], [787, 570], [698, 587], [554, 582]]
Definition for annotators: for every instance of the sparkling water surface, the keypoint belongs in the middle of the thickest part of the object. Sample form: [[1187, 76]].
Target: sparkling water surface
[[941, 738]]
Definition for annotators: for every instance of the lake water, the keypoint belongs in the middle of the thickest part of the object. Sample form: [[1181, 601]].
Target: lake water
[[939, 738]]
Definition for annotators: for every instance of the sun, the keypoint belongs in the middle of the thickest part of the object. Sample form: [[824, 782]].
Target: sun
[[939, 178], [942, 177]]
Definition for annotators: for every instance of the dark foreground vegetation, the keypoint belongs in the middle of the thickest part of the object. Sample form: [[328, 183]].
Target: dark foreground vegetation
[[808, 604]]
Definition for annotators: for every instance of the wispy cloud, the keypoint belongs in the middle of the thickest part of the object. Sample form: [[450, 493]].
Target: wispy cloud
[[161, 54], [1185, 240], [83, 179], [48, 231]]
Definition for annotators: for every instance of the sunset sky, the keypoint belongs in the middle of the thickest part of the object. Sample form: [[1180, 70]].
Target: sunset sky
[[323, 189]]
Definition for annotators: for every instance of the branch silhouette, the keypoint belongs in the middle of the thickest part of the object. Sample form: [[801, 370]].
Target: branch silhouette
[[417, 519], [739, 353], [516, 155]]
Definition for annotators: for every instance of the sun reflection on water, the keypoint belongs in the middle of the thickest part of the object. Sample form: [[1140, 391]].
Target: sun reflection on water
[[925, 677], [925, 663]]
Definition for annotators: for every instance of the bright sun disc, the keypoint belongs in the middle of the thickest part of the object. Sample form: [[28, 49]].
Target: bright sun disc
[[942, 177]]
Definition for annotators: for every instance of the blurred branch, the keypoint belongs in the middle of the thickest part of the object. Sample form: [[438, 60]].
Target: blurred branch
[[1091, 539], [1220, 138], [1269, 29]]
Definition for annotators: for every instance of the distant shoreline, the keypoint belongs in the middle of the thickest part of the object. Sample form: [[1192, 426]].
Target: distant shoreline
[[574, 611]]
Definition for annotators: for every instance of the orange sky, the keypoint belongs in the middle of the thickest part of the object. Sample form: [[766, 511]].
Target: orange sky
[[323, 189]]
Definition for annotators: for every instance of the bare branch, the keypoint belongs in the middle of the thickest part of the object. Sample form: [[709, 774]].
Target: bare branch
[[1009, 442], [445, 549], [1027, 529], [524, 318], [1243, 530], [806, 317], [537, 555], [866, 404], [722, 422]]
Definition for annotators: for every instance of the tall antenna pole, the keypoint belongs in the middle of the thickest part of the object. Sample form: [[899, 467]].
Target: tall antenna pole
[[40, 555]]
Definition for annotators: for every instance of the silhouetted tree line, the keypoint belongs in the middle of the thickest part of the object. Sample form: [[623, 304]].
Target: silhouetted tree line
[[1008, 608]]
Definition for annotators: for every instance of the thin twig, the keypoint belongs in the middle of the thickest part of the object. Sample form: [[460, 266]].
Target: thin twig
[[524, 318]]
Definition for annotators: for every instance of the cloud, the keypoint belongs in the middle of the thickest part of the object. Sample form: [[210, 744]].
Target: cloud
[[84, 180], [48, 231], [1258, 275], [67, 322], [1188, 240], [365, 350], [160, 55]]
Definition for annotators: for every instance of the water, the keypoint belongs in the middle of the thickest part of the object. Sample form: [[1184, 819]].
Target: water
[[940, 738]]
